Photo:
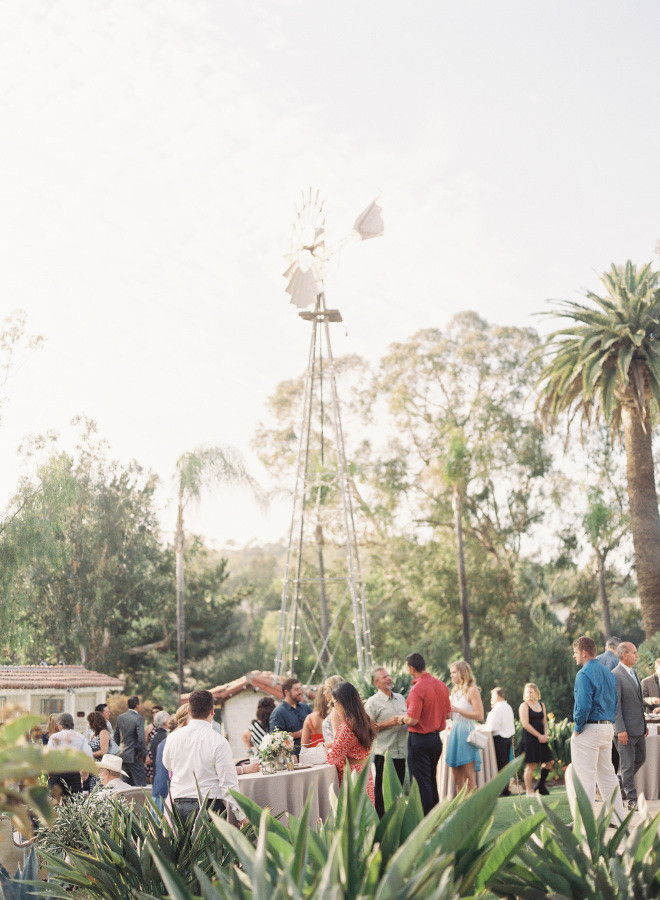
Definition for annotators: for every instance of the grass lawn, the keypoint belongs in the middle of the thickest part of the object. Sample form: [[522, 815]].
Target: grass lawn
[[512, 809]]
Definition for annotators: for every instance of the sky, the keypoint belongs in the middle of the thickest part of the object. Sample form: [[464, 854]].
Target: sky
[[154, 151]]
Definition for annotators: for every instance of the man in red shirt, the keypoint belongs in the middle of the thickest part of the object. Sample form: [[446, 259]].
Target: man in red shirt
[[428, 706]]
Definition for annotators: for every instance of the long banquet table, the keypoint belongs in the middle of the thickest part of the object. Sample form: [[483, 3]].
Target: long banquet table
[[647, 779], [286, 792], [446, 787]]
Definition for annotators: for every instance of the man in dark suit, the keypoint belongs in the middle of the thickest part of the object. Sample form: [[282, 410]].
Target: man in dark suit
[[629, 724], [129, 734], [651, 690]]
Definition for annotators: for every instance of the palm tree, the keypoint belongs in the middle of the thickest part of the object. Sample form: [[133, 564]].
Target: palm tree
[[607, 363], [203, 468]]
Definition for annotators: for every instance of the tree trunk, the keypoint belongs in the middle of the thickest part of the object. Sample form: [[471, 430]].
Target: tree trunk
[[602, 591], [644, 517], [457, 505], [180, 610]]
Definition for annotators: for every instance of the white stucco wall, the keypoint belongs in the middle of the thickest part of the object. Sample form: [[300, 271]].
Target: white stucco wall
[[78, 702], [237, 713]]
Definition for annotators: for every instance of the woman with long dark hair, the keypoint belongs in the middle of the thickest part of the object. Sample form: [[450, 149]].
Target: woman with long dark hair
[[354, 733], [259, 727]]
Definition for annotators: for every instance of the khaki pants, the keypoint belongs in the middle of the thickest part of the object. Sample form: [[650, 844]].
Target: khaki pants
[[591, 754]]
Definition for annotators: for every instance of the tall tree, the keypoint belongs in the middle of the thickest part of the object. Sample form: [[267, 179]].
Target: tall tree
[[467, 456], [79, 558], [607, 363], [197, 471]]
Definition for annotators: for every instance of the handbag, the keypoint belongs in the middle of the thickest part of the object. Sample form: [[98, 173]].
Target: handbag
[[313, 756], [477, 739]]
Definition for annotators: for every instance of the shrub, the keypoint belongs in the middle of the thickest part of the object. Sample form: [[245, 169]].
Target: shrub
[[442, 856], [70, 830], [648, 652], [588, 862], [119, 862], [24, 797]]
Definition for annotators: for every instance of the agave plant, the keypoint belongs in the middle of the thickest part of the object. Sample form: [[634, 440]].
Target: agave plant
[[407, 856], [23, 885], [589, 861], [122, 861]]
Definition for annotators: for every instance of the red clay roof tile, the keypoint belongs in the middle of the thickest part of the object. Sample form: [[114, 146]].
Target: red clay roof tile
[[57, 677]]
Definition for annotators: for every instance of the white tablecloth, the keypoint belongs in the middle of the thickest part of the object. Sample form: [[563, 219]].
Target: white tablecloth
[[286, 792], [446, 787], [647, 779]]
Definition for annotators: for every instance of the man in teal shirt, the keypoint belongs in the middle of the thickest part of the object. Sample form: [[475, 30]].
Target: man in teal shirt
[[594, 710]]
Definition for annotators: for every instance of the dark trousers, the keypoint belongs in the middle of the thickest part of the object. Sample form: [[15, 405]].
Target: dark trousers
[[424, 751], [631, 759], [189, 806], [135, 773], [615, 757], [502, 755], [379, 763]]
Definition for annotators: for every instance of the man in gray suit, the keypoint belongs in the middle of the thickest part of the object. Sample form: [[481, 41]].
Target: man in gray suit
[[129, 734], [629, 724]]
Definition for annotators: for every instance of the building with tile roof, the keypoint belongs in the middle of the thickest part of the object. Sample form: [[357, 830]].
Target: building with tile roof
[[238, 700], [43, 690]]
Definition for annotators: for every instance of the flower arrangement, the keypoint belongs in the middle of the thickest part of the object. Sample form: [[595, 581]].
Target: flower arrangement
[[279, 743]]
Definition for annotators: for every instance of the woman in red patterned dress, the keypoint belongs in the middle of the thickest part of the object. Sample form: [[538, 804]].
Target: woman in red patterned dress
[[354, 733]]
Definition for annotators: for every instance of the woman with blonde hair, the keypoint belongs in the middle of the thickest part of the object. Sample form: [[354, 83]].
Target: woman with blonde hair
[[534, 742], [467, 708], [329, 684], [182, 714], [312, 732], [52, 728]]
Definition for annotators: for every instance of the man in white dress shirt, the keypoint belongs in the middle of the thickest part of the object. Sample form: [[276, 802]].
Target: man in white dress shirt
[[201, 762], [500, 722]]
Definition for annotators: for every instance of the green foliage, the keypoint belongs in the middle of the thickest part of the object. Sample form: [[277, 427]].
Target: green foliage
[[599, 358], [86, 579], [24, 798], [124, 859], [22, 885], [398, 670], [647, 653], [588, 862], [70, 830], [444, 855], [559, 740]]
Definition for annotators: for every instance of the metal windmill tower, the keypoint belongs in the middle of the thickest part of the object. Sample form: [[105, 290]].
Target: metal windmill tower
[[321, 609]]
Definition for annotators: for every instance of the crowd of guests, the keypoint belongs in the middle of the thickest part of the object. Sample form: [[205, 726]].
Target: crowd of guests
[[186, 756], [182, 753], [409, 729]]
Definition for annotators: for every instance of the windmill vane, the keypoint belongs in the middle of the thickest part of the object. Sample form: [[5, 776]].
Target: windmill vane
[[309, 253]]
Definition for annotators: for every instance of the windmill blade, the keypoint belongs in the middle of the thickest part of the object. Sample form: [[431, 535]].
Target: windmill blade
[[369, 224], [303, 288]]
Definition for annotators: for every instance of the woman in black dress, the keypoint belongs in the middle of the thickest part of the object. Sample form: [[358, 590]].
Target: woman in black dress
[[534, 742]]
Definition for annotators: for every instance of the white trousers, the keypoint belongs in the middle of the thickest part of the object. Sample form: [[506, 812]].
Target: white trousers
[[591, 754]]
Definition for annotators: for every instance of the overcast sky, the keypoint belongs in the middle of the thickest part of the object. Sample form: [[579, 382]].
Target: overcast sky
[[153, 152]]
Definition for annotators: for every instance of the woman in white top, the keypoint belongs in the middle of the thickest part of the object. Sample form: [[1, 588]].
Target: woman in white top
[[467, 708]]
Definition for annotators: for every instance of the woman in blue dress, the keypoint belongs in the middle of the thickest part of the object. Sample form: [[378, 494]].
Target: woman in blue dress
[[463, 759]]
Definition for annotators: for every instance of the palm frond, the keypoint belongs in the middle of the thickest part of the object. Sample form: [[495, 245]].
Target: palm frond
[[610, 351]]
